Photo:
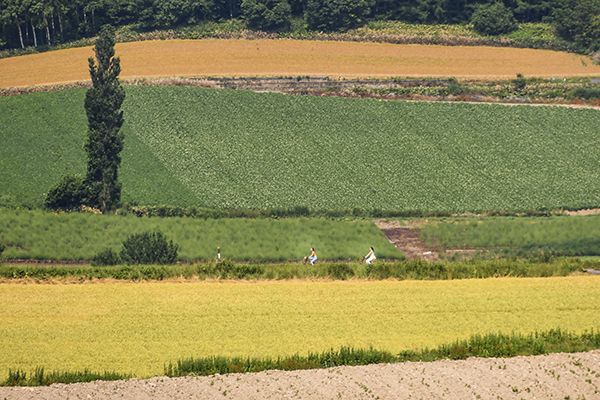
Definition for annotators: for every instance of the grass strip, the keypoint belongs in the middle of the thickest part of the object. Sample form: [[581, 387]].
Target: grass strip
[[489, 345], [415, 270], [39, 378]]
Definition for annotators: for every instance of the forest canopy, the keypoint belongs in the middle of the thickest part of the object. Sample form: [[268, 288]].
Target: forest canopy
[[38, 23]]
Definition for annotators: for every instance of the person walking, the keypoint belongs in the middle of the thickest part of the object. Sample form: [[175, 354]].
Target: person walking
[[313, 256], [369, 258]]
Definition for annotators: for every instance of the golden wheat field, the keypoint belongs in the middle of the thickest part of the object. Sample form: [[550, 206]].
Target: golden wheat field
[[138, 327], [213, 57]]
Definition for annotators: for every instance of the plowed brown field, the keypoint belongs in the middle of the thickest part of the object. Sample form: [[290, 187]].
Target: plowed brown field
[[292, 58]]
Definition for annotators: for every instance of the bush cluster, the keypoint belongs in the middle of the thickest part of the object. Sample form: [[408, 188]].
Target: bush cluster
[[67, 194], [140, 248]]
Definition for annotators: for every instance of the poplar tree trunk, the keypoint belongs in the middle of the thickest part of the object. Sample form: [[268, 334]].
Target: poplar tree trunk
[[62, 39], [48, 32], [21, 36], [34, 35]]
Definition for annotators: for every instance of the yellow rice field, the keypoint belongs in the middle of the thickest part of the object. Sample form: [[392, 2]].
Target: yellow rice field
[[213, 57], [137, 328]]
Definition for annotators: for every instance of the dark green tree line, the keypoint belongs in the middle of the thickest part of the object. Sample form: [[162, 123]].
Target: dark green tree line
[[38, 23]]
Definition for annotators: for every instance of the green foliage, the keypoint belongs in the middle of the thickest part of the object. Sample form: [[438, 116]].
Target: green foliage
[[340, 271], [228, 269], [68, 194], [493, 19], [103, 108], [578, 21], [583, 93], [267, 15], [334, 15], [2, 248], [478, 156], [106, 257], [520, 82], [148, 248], [38, 377]]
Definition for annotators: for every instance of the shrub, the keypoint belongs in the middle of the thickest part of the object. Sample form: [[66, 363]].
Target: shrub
[[379, 271], [69, 193], [584, 93], [339, 271], [149, 248], [106, 257], [520, 82], [493, 19], [228, 269], [2, 248]]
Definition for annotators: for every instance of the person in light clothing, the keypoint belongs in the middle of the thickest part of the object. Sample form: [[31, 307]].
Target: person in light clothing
[[371, 256], [313, 256]]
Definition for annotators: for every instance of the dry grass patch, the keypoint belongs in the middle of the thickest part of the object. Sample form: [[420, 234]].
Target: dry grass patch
[[140, 327], [291, 58]]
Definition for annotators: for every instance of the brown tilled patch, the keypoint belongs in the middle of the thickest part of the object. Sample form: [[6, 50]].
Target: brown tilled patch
[[407, 240]]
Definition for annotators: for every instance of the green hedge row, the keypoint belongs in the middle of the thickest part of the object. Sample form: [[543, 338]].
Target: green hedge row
[[417, 269]]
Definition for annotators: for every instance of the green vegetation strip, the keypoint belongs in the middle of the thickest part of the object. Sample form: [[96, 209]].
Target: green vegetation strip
[[567, 236], [417, 270], [489, 345], [135, 328], [188, 146], [79, 236]]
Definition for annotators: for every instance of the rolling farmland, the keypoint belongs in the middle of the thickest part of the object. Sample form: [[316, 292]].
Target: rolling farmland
[[234, 149], [293, 58]]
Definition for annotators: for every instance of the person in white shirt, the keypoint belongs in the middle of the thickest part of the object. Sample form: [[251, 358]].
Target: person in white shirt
[[371, 256]]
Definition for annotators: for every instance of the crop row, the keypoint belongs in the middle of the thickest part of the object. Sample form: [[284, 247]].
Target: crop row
[[235, 149]]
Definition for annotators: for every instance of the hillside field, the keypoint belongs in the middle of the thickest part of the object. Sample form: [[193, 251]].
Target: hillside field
[[189, 146], [140, 327], [572, 236], [296, 58], [78, 236]]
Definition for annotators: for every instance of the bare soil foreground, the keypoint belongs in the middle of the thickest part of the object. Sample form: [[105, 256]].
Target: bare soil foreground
[[293, 58], [554, 376]]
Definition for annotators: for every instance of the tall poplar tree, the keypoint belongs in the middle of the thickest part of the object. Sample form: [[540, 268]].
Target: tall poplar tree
[[103, 108]]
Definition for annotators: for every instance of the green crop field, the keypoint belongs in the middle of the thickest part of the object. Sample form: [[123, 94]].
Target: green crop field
[[571, 236], [141, 327], [78, 236], [237, 149]]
